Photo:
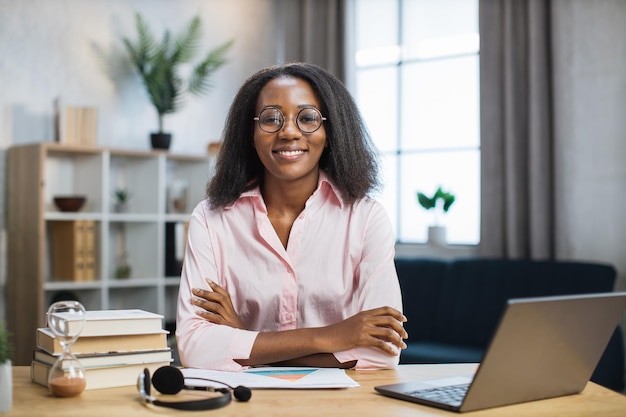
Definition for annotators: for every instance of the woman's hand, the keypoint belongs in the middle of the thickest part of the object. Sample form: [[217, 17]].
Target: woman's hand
[[216, 306], [380, 328], [372, 328]]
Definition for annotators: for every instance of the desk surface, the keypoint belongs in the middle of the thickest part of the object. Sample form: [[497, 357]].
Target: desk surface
[[30, 399]]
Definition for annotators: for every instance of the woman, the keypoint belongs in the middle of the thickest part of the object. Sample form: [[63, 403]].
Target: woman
[[288, 261]]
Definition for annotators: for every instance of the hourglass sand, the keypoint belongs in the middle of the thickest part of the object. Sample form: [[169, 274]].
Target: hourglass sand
[[67, 376]]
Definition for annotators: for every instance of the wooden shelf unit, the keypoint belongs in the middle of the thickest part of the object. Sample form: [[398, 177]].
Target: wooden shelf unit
[[38, 172]]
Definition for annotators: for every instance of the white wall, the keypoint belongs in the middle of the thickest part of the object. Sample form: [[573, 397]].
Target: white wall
[[590, 129], [72, 49]]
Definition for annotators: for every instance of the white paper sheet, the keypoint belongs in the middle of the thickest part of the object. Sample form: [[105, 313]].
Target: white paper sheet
[[272, 377]]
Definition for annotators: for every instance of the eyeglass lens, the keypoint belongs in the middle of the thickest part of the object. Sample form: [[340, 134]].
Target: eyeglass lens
[[308, 120]]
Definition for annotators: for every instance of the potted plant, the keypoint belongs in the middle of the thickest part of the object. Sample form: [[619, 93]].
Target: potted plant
[[158, 64], [6, 374], [123, 269], [440, 203], [122, 196]]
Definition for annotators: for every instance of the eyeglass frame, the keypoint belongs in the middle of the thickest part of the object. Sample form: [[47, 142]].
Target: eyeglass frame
[[258, 119]]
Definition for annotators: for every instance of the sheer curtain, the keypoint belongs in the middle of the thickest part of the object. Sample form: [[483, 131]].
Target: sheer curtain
[[312, 31], [517, 174]]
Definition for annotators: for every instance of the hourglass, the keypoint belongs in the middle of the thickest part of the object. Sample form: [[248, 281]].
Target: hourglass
[[67, 376]]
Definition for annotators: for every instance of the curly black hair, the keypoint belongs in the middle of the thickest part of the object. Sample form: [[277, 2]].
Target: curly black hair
[[350, 159]]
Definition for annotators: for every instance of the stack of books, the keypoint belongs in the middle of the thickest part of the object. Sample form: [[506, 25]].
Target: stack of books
[[73, 250], [113, 348]]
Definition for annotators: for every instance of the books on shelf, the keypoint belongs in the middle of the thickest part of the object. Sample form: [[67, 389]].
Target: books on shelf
[[103, 344], [97, 378], [76, 125], [73, 249], [99, 360], [114, 322]]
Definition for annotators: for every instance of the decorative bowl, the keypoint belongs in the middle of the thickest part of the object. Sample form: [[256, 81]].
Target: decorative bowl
[[70, 203]]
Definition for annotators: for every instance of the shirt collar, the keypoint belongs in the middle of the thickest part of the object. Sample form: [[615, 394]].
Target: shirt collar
[[326, 190]]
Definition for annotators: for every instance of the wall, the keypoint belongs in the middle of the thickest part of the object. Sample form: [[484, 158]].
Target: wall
[[72, 50], [590, 131]]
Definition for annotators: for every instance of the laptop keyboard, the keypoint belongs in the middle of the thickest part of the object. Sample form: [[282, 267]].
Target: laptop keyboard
[[452, 395]]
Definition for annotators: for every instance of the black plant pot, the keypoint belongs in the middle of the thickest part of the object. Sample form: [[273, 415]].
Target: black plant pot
[[160, 140]]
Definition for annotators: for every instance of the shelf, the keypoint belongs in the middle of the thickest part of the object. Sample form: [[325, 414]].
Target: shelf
[[134, 282], [138, 233]]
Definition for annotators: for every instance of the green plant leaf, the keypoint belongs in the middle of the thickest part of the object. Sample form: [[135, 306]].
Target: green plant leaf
[[187, 45], [426, 202], [447, 202], [431, 202], [145, 47], [6, 346], [199, 82]]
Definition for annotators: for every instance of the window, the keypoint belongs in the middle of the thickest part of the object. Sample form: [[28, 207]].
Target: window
[[416, 81]]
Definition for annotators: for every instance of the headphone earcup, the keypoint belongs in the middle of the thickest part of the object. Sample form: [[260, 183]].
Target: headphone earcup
[[168, 380], [242, 393]]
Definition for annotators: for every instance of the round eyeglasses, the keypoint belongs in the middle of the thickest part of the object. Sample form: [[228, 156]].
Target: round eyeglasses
[[308, 120]]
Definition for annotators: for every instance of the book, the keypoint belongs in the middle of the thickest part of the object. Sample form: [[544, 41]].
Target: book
[[100, 360], [73, 250], [75, 125], [87, 126], [98, 378], [115, 322], [46, 340]]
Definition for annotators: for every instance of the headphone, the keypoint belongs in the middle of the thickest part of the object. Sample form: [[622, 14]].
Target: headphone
[[170, 380]]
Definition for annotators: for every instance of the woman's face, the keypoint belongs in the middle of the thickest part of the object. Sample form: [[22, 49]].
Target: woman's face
[[289, 154]]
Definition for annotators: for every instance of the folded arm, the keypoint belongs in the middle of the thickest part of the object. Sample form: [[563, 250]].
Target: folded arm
[[379, 328]]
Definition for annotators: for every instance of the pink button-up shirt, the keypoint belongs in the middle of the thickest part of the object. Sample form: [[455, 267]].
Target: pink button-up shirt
[[338, 262]]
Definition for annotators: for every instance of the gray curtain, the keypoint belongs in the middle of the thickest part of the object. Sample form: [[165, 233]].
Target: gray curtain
[[312, 31], [517, 207]]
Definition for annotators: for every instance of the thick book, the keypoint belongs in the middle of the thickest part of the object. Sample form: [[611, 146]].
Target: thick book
[[97, 378], [103, 344], [73, 250], [100, 360], [115, 322]]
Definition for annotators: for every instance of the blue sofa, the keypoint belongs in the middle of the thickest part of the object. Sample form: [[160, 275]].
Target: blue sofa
[[453, 306]]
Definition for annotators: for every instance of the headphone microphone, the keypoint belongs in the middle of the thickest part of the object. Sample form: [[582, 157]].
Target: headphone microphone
[[170, 380]]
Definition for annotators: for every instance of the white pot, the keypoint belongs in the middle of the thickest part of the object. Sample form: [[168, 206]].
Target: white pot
[[437, 235], [6, 387]]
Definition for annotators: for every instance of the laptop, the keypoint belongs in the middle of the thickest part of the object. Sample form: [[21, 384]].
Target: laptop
[[543, 347]]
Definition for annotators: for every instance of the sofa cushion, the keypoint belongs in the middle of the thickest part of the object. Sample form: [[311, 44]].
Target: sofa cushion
[[433, 352], [474, 292], [421, 282]]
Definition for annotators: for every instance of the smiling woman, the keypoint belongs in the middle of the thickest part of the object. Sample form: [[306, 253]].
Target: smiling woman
[[289, 261]]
